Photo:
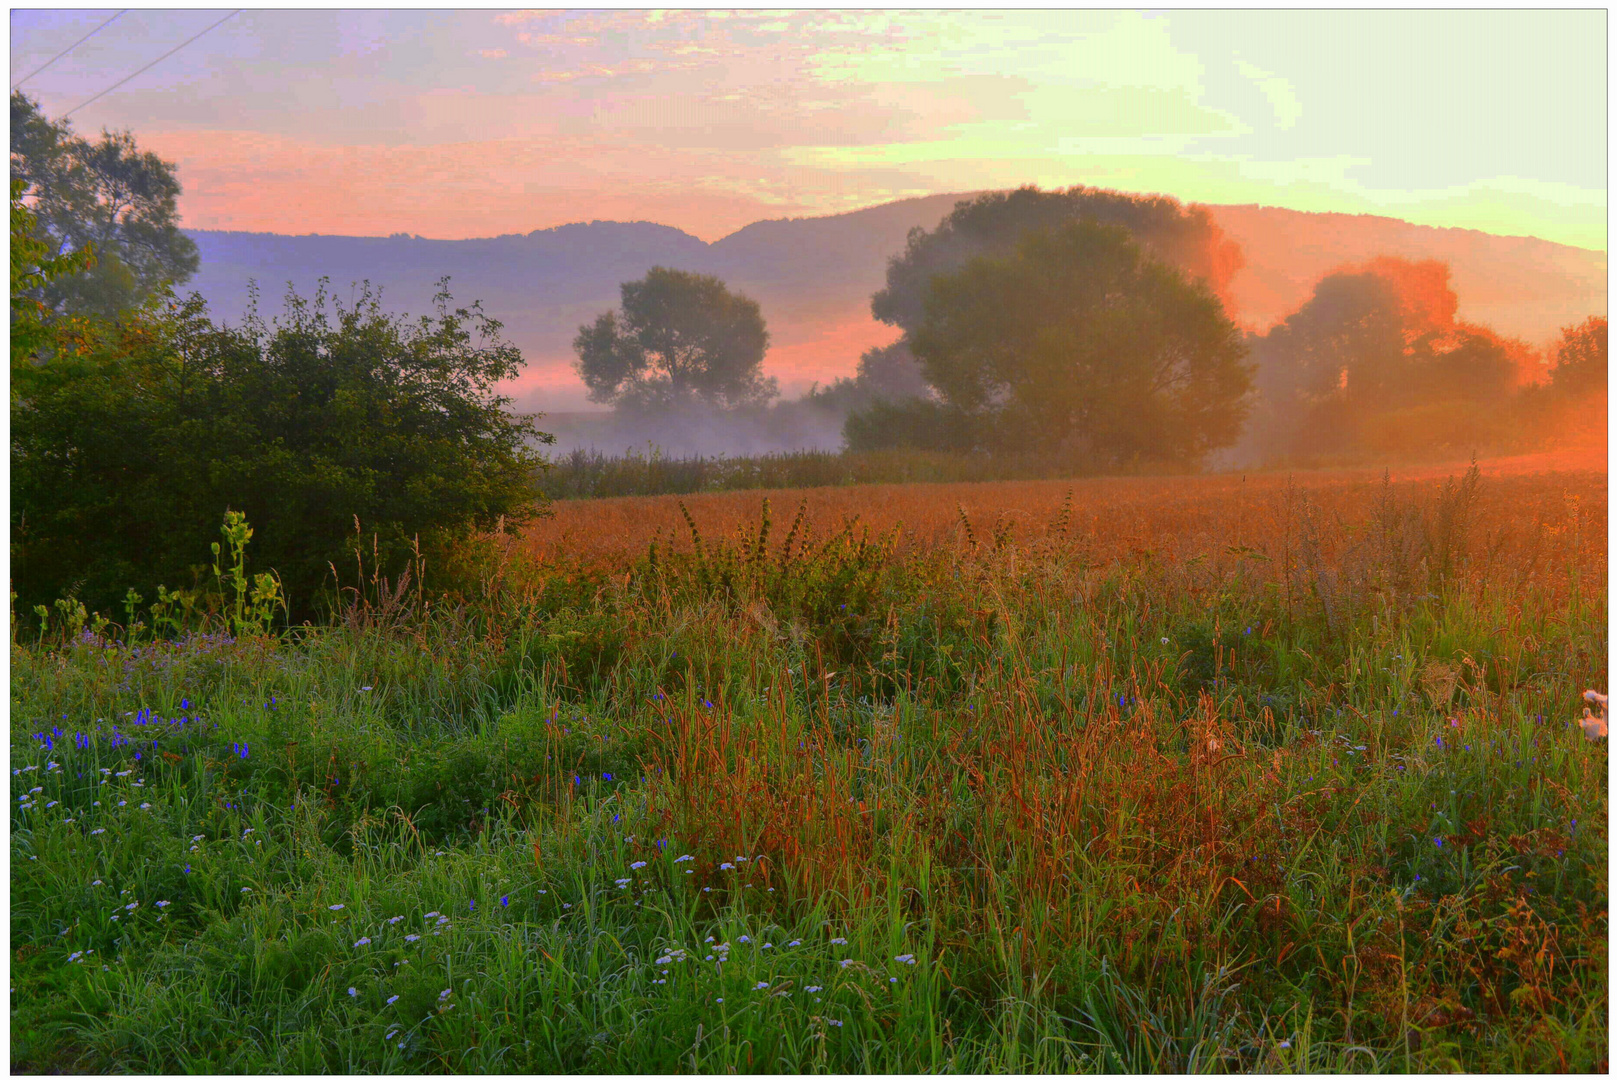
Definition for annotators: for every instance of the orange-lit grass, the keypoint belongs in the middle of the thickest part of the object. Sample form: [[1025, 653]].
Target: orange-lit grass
[[1181, 836], [1110, 518]]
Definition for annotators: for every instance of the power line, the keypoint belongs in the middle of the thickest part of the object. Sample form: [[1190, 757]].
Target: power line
[[64, 52], [149, 66]]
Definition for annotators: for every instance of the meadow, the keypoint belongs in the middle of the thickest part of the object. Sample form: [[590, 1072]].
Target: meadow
[[1271, 773]]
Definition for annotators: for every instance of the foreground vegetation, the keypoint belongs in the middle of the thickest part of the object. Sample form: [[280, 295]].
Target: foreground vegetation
[[1294, 785]]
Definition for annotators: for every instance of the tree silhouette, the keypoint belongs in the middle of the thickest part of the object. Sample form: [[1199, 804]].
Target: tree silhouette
[[680, 338], [1580, 357], [1077, 341], [106, 196]]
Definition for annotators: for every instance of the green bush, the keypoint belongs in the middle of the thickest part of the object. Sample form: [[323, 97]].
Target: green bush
[[133, 438]]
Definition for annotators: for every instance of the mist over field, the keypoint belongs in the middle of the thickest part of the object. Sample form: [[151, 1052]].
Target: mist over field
[[814, 277]]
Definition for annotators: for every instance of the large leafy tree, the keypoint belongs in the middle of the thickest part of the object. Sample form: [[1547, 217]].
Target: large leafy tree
[[1078, 341], [1372, 343], [108, 196], [993, 224], [33, 267], [130, 442], [1580, 357], [680, 338]]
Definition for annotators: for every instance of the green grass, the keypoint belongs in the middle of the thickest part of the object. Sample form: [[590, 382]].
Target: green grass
[[1147, 815], [589, 474]]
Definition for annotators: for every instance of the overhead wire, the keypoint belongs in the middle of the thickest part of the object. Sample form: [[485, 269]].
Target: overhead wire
[[65, 51], [148, 67]]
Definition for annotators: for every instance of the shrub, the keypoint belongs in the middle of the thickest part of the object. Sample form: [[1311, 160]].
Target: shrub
[[130, 442]]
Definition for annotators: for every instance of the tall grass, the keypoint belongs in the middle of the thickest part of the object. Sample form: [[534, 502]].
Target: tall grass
[[1298, 787]]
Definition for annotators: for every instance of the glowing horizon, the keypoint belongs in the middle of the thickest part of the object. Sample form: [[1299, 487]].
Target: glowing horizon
[[457, 124]]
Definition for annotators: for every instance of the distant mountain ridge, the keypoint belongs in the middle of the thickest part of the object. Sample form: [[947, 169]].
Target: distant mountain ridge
[[814, 276]]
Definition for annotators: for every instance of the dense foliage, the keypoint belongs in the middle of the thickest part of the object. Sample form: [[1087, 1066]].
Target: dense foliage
[[1376, 358], [1580, 357], [994, 223], [33, 267], [1079, 342], [108, 196], [130, 443], [679, 338]]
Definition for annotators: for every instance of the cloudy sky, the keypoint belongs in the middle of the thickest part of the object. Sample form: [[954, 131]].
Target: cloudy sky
[[466, 123]]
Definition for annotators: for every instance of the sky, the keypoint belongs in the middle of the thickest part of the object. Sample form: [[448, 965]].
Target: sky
[[465, 123]]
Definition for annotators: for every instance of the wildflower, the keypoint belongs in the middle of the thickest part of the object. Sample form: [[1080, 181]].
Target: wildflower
[[97, 881], [470, 907], [839, 941], [718, 1001], [362, 941], [505, 901], [636, 865], [364, 689], [392, 999], [1285, 1044], [1165, 641], [335, 907], [143, 806], [132, 907], [905, 958], [838, 1023], [727, 866], [392, 1033], [768, 945], [445, 995], [744, 939], [431, 915], [245, 889], [761, 986], [848, 963], [892, 980], [685, 858], [395, 919], [352, 992], [163, 903], [412, 937], [813, 989], [794, 941], [97, 832]]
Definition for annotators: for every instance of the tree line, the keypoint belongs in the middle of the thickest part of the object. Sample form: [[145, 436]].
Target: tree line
[[1093, 326]]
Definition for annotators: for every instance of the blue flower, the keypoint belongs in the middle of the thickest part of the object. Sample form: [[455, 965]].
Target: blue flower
[[608, 776], [505, 901]]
